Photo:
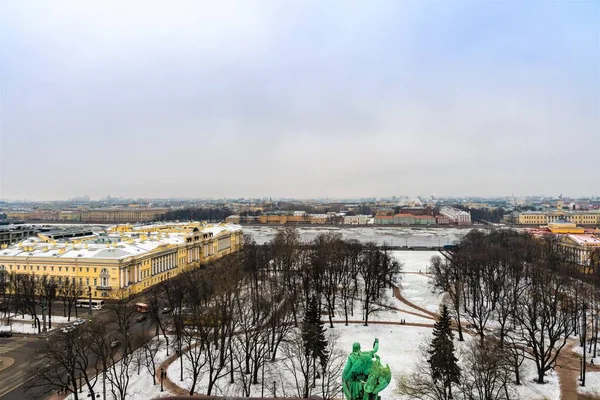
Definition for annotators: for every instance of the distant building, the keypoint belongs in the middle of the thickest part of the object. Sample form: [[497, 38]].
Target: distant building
[[589, 218], [10, 235], [356, 219], [456, 216], [442, 220], [119, 215], [533, 218], [384, 220], [424, 220]]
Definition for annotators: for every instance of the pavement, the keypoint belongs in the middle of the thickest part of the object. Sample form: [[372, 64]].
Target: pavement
[[19, 349], [5, 362]]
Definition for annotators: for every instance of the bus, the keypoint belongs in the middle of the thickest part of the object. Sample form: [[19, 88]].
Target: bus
[[96, 304], [142, 307]]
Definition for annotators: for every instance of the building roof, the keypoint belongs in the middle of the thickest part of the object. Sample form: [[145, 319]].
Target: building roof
[[113, 246], [585, 239]]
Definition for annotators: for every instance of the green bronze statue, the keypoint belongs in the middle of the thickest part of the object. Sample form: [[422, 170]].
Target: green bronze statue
[[364, 376]]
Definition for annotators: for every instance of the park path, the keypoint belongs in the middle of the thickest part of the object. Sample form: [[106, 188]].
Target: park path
[[567, 367]]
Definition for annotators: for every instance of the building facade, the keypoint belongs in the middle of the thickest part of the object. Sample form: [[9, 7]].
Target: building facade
[[456, 216], [588, 218], [356, 219], [124, 261]]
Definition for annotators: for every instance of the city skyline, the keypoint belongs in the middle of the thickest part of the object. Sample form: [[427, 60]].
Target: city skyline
[[304, 100]]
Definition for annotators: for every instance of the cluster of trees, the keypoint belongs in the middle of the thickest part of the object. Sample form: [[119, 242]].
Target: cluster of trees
[[240, 313], [228, 321], [484, 214], [27, 293], [100, 357], [522, 297]]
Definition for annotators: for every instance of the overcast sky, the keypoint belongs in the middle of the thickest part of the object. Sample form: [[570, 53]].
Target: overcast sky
[[299, 99]]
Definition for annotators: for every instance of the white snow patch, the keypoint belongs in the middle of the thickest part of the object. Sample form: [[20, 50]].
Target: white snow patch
[[592, 384], [416, 288]]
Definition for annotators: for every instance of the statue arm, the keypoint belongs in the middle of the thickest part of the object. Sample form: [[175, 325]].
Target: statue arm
[[375, 347]]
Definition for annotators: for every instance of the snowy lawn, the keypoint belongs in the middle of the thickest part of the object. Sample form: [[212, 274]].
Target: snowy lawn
[[384, 314], [399, 347], [140, 386], [415, 261], [416, 289], [592, 384], [530, 390], [20, 324]]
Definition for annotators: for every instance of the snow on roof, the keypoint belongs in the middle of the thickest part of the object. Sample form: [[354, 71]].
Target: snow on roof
[[585, 239], [130, 244]]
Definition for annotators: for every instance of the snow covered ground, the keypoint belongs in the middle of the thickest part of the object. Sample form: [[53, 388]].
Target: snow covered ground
[[140, 386], [530, 390], [415, 261], [20, 324], [592, 384], [395, 236], [417, 289]]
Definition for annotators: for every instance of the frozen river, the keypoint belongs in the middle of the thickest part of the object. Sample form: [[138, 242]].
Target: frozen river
[[394, 236]]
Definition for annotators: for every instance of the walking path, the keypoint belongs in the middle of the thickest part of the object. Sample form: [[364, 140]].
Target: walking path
[[568, 366]]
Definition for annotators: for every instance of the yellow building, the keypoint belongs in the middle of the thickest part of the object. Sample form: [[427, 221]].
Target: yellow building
[[533, 218], [543, 218], [119, 215], [123, 261], [565, 227], [583, 248]]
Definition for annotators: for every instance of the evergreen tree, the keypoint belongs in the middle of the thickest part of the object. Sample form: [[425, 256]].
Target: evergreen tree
[[443, 363], [313, 332]]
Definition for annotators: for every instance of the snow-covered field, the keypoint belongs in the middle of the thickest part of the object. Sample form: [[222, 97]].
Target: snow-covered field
[[414, 261], [20, 324], [416, 289], [140, 386], [400, 346], [592, 384], [395, 236]]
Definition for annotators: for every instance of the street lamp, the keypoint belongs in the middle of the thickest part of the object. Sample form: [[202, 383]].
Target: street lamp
[[163, 375], [90, 297]]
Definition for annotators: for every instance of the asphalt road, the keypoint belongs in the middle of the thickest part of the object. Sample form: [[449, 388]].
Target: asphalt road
[[21, 349]]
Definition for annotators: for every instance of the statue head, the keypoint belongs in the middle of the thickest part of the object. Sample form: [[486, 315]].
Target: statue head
[[356, 347]]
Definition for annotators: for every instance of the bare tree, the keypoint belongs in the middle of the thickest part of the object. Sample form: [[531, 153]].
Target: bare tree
[[544, 313], [486, 372], [420, 384]]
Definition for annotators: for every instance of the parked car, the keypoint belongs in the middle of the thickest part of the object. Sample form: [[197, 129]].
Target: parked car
[[68, 329], [78, 322], [141, 318], [5, 334], [115, 344], [166, 310]]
